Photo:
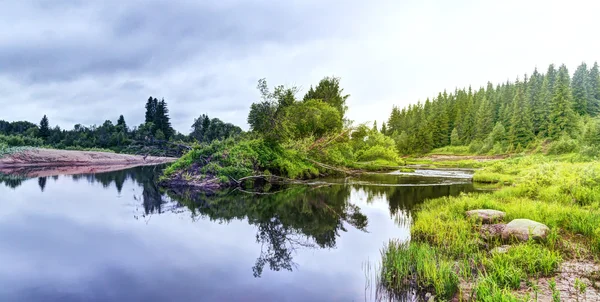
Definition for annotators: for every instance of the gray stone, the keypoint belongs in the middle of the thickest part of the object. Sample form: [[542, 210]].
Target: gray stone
[[522, 229], [486, 216]]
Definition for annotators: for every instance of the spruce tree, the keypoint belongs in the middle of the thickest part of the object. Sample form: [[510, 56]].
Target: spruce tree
[[121, 125], [151, 105], [374, 129], [562, 116], [594, 90], [384, 129], [44, 132], [535, 99], [521, 128], [454, 138], [579, 88], [485, 121]]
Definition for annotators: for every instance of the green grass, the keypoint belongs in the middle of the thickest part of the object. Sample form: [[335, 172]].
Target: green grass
[[405, 263], [562, 192], [492, 178], [452, 150]]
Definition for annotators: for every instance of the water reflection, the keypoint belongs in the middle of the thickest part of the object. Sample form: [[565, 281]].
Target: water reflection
[[299, 217]]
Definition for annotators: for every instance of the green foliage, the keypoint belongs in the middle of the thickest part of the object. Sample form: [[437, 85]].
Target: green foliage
[[238, 159], [564, 145], [312, 118], [454, 138], [502, 118], [328, 90], [44, 131], [205, 129]]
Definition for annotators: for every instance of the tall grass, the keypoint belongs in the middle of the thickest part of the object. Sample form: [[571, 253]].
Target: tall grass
[[406, 265]]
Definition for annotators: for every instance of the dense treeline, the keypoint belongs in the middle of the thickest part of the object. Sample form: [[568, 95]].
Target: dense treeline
[[508, 117], [152, 136]]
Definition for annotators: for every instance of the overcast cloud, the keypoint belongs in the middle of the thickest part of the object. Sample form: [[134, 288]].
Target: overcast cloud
[[88, 61]]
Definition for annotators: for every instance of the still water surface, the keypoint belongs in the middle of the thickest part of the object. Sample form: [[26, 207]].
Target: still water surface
[[116, 237]]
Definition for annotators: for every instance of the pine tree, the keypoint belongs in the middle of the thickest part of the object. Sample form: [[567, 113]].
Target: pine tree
[[594, 90], [562, 117], [454, 138], [44, 132], [485, 121], [121, 125], [384, 129], [161, 119], [374, 129], [151, 106], [535, 99], [579, 88], [521, 130]]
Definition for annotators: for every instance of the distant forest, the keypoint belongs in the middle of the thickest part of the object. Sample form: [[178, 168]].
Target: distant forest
[[506, 117], [152, 136]]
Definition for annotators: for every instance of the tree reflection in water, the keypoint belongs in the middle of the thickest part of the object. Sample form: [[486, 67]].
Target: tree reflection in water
[[298, 217]]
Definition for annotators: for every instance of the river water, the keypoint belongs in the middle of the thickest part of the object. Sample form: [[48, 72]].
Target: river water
[[117, 237]]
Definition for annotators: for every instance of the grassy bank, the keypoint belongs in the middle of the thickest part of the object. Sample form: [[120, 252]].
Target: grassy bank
[[447, 249]]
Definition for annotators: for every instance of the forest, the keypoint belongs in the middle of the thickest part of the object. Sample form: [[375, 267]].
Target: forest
[[151, 137], [508, 117]]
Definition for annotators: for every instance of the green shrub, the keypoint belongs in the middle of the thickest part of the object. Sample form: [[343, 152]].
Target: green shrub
[[564, 145]]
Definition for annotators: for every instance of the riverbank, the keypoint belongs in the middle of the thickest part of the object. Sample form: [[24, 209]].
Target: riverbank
[[457, 257], [37, 162]]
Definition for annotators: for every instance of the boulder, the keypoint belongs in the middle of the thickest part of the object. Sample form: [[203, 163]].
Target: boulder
[[492, 231], [486, 216], [522, 229]]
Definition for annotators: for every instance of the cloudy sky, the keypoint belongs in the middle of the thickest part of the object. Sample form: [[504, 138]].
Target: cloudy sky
[[82, 61]]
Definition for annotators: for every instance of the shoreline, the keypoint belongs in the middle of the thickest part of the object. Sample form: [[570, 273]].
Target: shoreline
[[46, 162]]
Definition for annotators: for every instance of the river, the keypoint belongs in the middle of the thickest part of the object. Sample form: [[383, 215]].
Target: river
[[117, 237]]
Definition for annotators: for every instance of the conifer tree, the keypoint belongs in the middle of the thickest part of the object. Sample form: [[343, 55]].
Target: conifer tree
[[44, 132], [521, 130], [454, 138], [594, 90], [384, 129], [151, 105], [374, 129], [535, 99], [485, 121], [562, 117], [121, 125], [579, 88]]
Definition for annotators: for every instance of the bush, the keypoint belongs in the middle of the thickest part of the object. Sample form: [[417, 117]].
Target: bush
[[378, 152], [475, 146], [564, 145]]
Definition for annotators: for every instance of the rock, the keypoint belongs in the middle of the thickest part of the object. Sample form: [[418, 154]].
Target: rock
[[486, 216], [521, 229], [501, 249], [492, 231]]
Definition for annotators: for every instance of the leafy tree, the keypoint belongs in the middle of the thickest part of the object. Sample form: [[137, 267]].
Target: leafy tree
[[312, 118], [44, 132], [159, 135], [329, 91]]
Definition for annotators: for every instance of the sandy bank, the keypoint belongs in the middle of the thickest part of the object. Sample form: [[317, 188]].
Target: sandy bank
[[48, 161]]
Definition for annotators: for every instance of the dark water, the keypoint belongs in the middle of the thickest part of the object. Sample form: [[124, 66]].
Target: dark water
[[116, 237]]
